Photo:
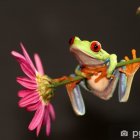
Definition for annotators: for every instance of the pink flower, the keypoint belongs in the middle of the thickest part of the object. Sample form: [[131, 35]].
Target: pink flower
[[37, 93]]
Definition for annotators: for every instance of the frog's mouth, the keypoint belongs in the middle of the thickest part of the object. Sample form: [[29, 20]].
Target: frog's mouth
[[85, 59]]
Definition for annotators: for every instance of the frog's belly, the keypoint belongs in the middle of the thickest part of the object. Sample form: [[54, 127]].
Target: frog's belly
[[101, 85]]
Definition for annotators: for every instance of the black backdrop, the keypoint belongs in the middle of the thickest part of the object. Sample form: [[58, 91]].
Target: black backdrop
[[45, 27]]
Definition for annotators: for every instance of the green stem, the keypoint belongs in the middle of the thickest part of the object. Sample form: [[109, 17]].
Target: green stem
[[123, 63], [77, 78]]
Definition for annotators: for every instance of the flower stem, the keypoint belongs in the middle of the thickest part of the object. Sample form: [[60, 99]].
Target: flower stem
[[123, 63], [77, 78]]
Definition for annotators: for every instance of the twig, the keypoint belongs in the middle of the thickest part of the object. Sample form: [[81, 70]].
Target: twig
[[78, 78]]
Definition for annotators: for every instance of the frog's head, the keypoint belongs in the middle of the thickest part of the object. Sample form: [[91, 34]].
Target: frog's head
[[88, 53]]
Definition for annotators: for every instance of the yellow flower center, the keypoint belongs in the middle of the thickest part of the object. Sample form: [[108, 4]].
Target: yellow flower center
[[45, 92]]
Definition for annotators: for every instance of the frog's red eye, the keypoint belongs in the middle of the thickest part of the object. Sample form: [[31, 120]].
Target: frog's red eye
[[95, 46], [71, 40]]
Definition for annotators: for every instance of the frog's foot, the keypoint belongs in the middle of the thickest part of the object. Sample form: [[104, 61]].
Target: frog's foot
[[61, 79], [124, 71], [83, 73], [131, 68], [126, 78], [99, 72], [71, 85], [88, 72]]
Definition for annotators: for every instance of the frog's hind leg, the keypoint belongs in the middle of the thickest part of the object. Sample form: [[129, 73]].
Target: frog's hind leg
[[76, 98], [126, 78], [122, 94]]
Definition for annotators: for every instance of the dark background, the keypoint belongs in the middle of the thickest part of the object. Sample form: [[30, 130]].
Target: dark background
[[45, 27]]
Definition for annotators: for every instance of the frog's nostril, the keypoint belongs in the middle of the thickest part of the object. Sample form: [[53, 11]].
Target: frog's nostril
[[71, 40]]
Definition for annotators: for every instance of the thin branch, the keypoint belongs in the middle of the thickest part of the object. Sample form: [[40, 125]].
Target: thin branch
[[77, 78]]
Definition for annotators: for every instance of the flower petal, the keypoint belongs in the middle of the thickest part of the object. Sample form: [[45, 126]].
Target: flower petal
[[28, 100], [27, 83], [38, 64], [39, 114], [39, 127], [18, 56], [27, 70], [45, 115], [33, 107], [48, 125], [24, 64], [25, 92], [51, 111], [28, 57]]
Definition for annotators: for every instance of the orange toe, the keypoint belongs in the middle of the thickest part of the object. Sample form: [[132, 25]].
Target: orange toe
[[134, 53]]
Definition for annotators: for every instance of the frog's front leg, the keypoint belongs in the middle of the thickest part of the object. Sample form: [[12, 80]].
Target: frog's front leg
[[112, 65], [126, 78]]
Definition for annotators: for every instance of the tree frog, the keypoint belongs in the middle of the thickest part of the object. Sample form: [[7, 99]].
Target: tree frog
[[91, 54]]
